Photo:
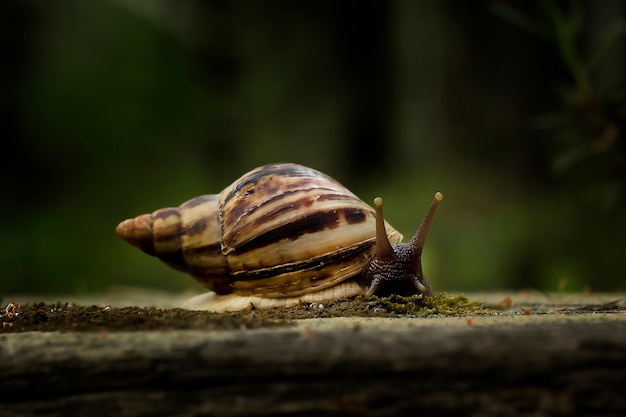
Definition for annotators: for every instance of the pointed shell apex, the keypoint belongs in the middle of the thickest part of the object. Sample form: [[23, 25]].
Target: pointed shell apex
[[138, 232]]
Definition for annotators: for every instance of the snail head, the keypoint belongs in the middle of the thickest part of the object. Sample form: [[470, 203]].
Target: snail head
[[397, 269]]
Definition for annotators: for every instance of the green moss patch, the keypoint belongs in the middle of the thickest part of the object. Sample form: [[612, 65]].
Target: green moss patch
[[71, 317], [394, 306], [439, 304]]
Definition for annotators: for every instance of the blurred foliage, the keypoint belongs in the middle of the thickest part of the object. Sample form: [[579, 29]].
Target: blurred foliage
[[118, 107], [587, 131]]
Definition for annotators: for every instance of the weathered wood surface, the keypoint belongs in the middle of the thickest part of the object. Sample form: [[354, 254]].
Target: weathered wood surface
[[523, 365]]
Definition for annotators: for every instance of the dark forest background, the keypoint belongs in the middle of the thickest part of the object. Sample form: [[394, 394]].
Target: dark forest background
[[515, 110]]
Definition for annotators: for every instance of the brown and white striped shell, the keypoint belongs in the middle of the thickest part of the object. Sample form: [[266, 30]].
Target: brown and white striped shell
[[279, 235]]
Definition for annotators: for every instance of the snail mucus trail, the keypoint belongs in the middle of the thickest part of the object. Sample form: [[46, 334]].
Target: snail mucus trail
[[280, 235]]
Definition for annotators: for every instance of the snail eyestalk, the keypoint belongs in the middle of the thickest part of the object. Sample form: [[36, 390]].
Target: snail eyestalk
[[383, 247], [417, 242]]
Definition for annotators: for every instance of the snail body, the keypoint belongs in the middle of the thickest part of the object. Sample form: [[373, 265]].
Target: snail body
[[279, 235]]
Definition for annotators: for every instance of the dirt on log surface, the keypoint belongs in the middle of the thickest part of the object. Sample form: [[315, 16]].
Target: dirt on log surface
[[512, 355]]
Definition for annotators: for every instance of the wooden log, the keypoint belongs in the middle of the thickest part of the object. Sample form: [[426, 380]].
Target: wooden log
[[561, 367]]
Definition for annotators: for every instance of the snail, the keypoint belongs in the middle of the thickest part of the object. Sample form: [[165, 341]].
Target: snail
[[280, 235]]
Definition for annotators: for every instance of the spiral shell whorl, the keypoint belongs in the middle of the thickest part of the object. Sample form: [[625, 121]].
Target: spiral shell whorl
[[281, 230], [186, 238], [289, 230]]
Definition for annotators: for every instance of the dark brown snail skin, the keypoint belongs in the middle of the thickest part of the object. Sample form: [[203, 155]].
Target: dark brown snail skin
[[397, 269], [280, 235]]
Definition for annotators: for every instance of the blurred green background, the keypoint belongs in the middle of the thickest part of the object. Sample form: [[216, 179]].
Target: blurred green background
[[515, 110]]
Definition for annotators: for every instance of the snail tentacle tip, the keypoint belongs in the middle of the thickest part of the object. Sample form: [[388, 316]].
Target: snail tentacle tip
[[378, 201], [438, 196]]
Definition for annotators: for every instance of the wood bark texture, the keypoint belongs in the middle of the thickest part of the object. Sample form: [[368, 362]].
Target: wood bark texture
[[545, 369]]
